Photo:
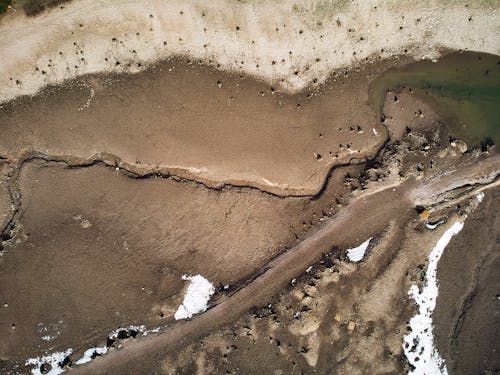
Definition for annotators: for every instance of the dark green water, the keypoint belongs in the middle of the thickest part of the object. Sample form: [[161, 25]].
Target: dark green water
[[464, 87]]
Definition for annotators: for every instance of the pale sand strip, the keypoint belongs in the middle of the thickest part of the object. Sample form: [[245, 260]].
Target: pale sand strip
[[321, 36]]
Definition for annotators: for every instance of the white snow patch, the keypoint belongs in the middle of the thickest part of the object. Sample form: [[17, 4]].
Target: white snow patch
[[141, 328], [197, 296], [50, 330], [53, 360], [268, 182], [480, 197], [58, 357], [418, 345], [87, 356], [357, 253], [434, 225]]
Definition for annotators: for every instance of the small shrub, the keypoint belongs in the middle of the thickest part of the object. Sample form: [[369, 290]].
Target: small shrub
[[4, 5]]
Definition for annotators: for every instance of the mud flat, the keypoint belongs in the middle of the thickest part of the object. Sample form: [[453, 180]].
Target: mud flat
[[336, 307], [192, 121], [79, 231], [466, 316], [246, 148], [79, 226]]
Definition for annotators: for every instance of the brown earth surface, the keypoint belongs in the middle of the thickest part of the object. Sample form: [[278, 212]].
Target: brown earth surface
[[197, 122], [5, 201], [85, 228], [468, 310], [108, 217]]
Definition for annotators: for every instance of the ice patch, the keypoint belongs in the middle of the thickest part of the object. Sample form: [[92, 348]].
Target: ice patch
[[116, 332], [197, 296], [418, 345], [433, 226], [50, 331], [91, 353], [358, 253], [54, 360]]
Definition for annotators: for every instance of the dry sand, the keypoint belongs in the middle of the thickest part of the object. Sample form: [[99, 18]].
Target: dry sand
[[290, 43]]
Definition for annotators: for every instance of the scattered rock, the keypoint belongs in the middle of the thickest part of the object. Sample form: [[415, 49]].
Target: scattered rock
[[460, 145], [351, 326]]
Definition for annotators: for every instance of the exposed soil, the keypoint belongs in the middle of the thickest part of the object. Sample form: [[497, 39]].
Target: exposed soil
[[85, 228], [197, 122], [165, 174], [467, 313], [5, 201]]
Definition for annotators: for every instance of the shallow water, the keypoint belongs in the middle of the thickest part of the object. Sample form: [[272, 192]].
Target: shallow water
[[464, 87]]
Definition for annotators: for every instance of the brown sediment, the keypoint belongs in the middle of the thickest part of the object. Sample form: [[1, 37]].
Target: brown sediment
[[5, 197], [84, 227], [104, 223], [466, 315], [276, 275], [196, 122]]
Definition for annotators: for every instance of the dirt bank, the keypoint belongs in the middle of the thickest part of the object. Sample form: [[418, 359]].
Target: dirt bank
[[79, 228], [359, 303], [195, 122], [467, 310]]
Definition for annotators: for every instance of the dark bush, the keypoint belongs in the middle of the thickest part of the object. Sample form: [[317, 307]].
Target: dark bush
[[3, 5], [34, 7]]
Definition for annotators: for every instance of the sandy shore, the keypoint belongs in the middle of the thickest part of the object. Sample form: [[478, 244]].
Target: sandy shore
[[290, 44]]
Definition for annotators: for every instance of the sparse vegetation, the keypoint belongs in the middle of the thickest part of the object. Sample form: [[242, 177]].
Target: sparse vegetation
[[31, 7], [4, 5]]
